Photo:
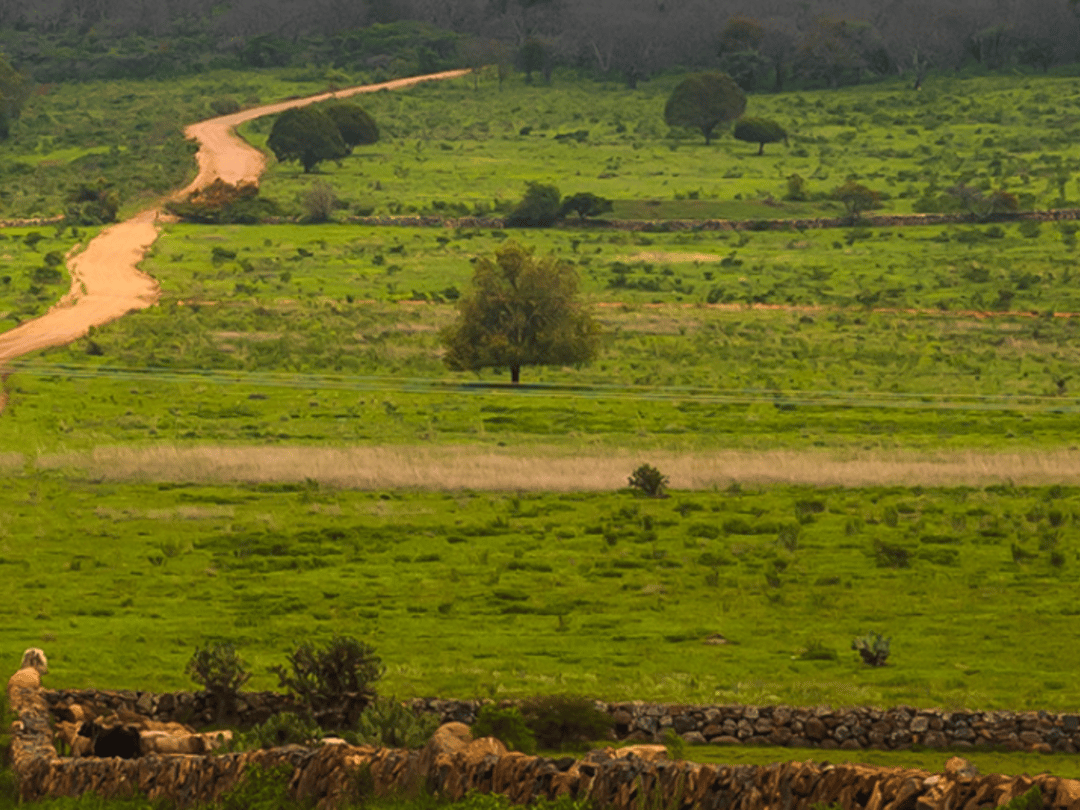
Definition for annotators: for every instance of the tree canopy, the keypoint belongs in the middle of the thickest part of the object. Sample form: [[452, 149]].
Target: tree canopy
[[520, 311], [307, 135], [760, 131], [704, 101], [15, 89], [354, 124]]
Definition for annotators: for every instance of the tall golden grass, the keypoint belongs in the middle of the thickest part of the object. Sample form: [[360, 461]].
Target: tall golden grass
[[554, 470]]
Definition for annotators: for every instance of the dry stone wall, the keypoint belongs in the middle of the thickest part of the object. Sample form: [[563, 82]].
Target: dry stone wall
[[798, 727], [453, 765]]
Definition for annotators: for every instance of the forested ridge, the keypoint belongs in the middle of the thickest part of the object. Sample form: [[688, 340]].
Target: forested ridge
[[763, 44]]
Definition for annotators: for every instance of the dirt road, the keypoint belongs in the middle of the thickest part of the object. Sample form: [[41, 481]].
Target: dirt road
[[106, 282]]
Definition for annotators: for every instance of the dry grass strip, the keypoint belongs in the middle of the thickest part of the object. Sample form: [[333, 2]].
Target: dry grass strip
[[555, 470]]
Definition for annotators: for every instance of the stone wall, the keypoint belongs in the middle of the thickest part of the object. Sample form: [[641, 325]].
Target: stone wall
[[452, 765], [801, 727]]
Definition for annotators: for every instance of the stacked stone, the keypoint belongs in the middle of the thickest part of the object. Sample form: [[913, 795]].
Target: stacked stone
[[195, 708]]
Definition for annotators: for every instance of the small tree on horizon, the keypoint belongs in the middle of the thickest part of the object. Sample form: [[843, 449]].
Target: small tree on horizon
[[760, 131], [704, 101], [520, 311], [307, 135]]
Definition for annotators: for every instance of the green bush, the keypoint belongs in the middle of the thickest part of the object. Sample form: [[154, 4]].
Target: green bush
[[335, 682], [649, 480], [261, 788], [563, 721], [285, 728], [353, 122], [507, 725], [1032, 800], [220, 670], [386, 723], [872, 648], [537, 209]]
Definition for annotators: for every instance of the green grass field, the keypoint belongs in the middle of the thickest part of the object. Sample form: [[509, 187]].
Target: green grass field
[[219, 467], [451, 149]]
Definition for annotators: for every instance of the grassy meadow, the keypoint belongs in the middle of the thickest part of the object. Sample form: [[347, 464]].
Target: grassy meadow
[[865, 428], [471, 593], [450, 149]]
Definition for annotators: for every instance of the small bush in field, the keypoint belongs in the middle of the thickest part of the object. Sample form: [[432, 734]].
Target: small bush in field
[[335, 683], [261, 788], [649, 480], [872, 648], [320, 201], [561, 721], [220, 670], [386, 723], [506, 725]]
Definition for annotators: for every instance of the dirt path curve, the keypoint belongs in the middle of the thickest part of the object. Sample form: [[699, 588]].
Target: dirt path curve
[[106, 282]]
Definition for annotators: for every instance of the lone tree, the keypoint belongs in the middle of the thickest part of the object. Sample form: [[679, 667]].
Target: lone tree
[[307, 135], [856, 198], [585, 204], [760, 131], [521, 311], [704, 101], [353, 123]]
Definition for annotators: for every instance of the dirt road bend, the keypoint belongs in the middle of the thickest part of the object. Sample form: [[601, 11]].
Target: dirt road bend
[[106, 282]]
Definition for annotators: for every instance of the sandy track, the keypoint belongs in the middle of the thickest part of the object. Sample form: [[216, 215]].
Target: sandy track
[[106, 282]]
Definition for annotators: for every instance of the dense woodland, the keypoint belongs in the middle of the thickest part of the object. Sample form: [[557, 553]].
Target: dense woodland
[[763, 44]]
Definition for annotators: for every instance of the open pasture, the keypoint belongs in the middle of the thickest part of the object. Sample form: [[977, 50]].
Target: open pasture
[[466, 593], [867, 339], [451, 150]]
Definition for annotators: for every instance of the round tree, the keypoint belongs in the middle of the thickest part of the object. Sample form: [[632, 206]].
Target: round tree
[[760, 131], [520, 311], [307, 135], [355, 126], [704, 101]]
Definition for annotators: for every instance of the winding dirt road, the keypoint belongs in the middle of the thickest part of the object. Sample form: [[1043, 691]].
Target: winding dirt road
[[106, 282]]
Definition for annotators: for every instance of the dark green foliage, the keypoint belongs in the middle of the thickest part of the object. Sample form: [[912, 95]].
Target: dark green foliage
[[649, 480], [334, 683], [285, 728], [534, 57], [565, 721], [222, 203], [307, 135], [520, 311], [505, 724], [92, 204], [747, 68], [704, 101], [225, 106], [872, 648], [219, 669], [856, 198], [760, 131], [585, 204], [537, 209], [15, 89], [261, 788], [387, 723], [353, 122], [891, 555]]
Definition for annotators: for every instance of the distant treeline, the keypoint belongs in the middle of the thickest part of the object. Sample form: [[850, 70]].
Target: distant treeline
[[762, 43]]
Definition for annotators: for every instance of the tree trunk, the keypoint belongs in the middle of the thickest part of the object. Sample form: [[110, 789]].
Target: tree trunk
[[761, 148], [515, 374]]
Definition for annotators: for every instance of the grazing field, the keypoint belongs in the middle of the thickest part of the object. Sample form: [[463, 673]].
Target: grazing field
[[450, 149], [32, 272], [469, 593], [866, 429]]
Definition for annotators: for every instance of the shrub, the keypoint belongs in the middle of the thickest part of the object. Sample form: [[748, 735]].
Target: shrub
[[891, 555], [872, 648], [320, 201], [1032, 800], [507, 725], [285, 728], [226, 105], [538, 208], [585, 204], [224, 203], [386, 723], [649, 480], [220, 670], [796, 189], [334, 683], [559, 721], [261, 788]]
